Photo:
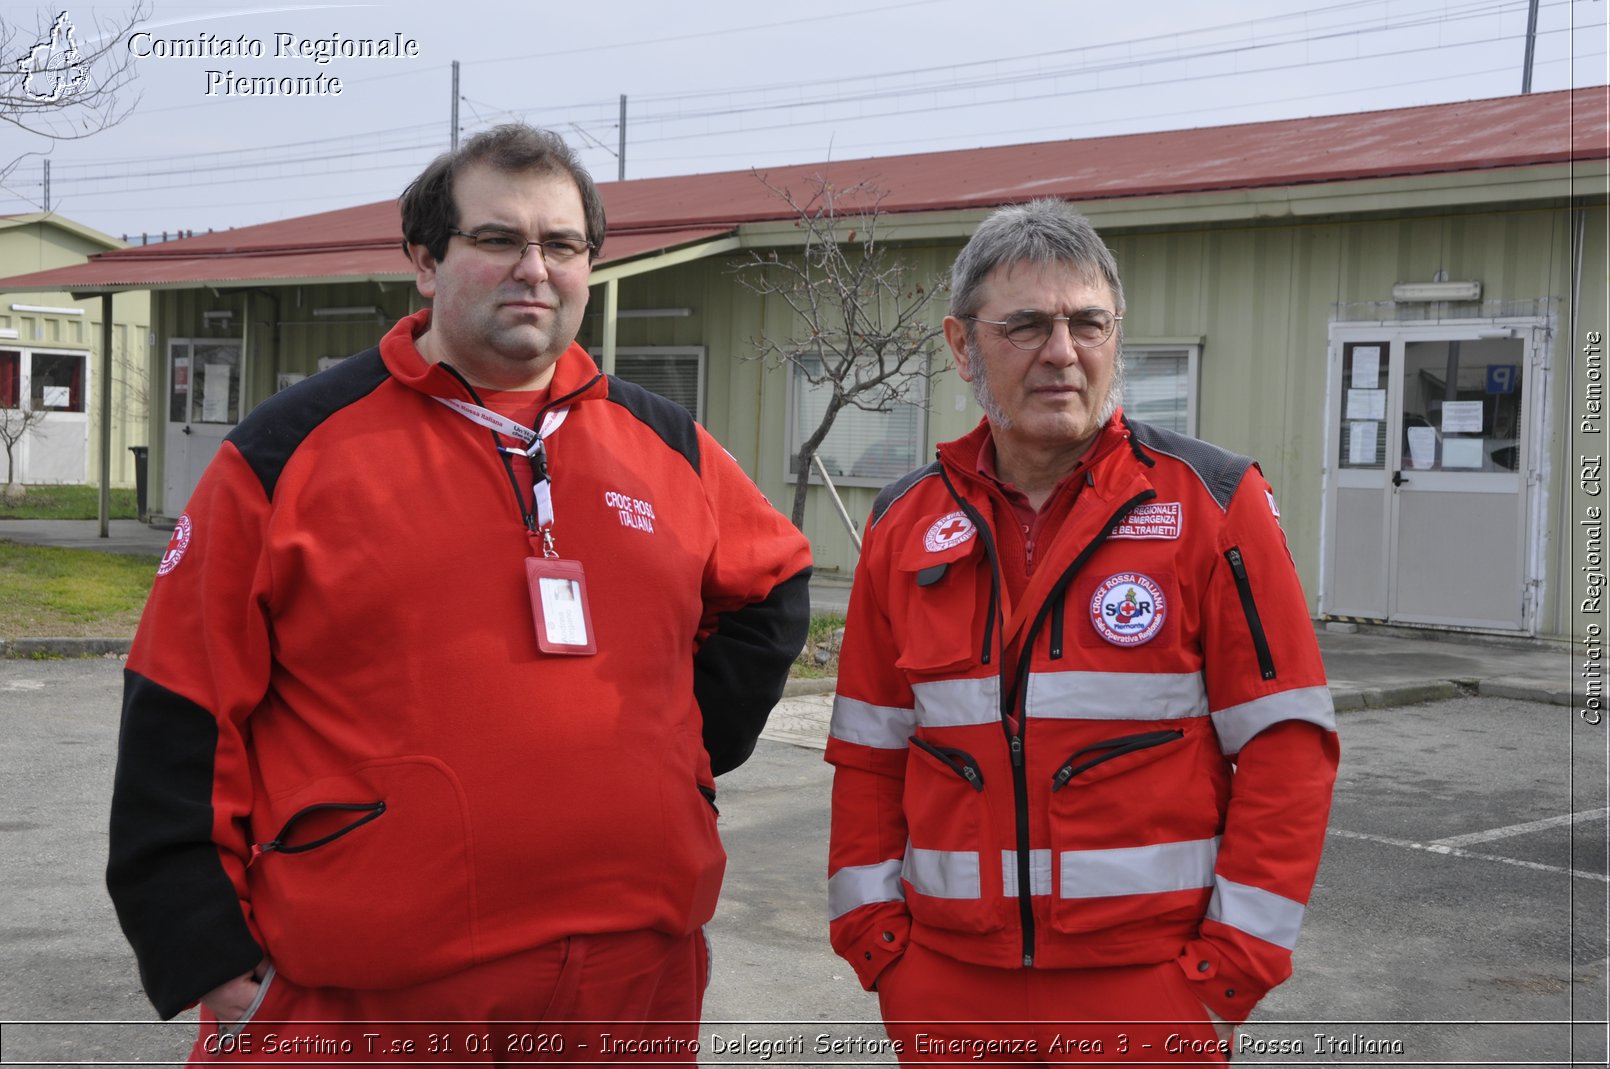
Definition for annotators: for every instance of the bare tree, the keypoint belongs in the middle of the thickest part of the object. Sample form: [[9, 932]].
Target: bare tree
[[14, 424], [64, 82], [863, 326]]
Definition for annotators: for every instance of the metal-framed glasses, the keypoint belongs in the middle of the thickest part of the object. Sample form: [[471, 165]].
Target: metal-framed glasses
[[510, 246], [1088, 327]]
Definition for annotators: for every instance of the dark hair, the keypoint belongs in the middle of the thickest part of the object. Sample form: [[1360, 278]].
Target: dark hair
[[429, 210], [1044, 231]]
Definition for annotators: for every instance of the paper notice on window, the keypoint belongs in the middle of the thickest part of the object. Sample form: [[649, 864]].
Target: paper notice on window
[[1366, 404], [1361, 442], [1366, 367], [1422, 448], [58, 396], [215, 393], [1463, 453], [181, 374], [1461, 417]]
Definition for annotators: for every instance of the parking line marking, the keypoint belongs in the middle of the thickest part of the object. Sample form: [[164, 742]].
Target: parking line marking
[[1454, 851], [1522, 829]]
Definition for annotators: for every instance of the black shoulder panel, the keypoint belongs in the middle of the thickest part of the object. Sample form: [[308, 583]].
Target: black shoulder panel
[[274, 430], [897, 489], [1219, 469], [663, 416]]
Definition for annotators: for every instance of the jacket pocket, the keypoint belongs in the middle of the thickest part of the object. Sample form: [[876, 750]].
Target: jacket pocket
[[371, 894], [936, 601], [950, 874], [1135, 820], [256, 1007]]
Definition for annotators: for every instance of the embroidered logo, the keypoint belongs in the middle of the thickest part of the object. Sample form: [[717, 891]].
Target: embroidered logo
[[1158, 519], [1274, 508], [176, 546], [633, 512], [949, 530], [1128, 609]]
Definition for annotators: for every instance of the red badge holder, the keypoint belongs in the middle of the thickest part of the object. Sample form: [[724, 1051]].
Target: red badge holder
[[559, 606]]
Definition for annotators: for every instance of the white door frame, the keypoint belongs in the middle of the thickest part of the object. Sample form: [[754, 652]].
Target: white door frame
[[1535, 334]]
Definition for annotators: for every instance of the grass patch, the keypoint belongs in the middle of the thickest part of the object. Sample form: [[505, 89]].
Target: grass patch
[[819, 636], [66, 503], [46, 592]]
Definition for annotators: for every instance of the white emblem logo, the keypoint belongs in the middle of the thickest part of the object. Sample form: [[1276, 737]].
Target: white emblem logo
[[1274, 508], [176, 546], [51, 70], [949, 530], [1128, 609]]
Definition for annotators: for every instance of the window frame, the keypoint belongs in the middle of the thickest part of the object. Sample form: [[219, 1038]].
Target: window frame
[[696, 351], [1193, 367]]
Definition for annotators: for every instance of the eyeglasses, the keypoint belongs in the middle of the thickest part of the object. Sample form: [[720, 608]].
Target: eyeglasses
[[1088, 327], [510, 246]]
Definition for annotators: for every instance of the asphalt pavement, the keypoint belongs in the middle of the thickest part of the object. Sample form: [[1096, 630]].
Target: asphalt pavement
[[1458, 918]]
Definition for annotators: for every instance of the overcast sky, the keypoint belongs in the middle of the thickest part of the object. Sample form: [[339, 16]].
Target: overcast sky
[[728, 85]]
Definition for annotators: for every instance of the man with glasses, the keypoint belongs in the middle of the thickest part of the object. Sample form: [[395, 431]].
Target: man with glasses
[[1083, 744], [422, 721]]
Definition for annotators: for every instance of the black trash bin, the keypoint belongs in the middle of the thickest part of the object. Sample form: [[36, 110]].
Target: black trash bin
[[142, 454]]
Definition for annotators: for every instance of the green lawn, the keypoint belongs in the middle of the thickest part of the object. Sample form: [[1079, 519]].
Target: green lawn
[[47, 592], [64, 503]]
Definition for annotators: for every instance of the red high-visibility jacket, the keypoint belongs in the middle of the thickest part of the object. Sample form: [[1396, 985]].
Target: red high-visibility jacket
[[1130, 762]]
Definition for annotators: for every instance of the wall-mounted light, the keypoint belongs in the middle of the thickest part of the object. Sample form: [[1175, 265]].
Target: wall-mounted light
[[1437, 291], [349, 310], [47, 309], [221, 316], [1496, 332], [653, 313]]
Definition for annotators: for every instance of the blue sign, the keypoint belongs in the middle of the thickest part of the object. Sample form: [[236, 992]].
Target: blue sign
[[1503, 378]]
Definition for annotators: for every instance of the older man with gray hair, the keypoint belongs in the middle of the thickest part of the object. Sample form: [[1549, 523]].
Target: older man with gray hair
[[1084, 748]]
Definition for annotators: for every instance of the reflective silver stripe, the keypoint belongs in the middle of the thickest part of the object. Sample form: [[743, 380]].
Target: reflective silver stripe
[[1271, 917], [1116, 695], [958, 702], [1138, 870], [882, 727], [1039, 872], [943, 873], [1239, 723], [855, 886]]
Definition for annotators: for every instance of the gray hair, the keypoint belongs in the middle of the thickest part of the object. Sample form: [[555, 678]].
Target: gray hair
[[1042, 231]]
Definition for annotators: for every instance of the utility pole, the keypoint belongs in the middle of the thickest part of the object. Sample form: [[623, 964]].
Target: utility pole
[[452, 139], [1531, 47], [620, 157]]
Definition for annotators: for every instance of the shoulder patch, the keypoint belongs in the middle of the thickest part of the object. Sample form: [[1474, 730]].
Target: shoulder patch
[[666, 418], [1219, 469], [273, 430], [897, 489]]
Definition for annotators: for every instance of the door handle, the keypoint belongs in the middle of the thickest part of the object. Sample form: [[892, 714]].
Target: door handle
[[1397, 476], [185, 429]]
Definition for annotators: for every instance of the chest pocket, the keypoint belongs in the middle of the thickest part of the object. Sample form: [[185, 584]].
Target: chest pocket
[[938, 604]]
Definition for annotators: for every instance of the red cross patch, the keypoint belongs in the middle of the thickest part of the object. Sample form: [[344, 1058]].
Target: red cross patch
[[949, 530]]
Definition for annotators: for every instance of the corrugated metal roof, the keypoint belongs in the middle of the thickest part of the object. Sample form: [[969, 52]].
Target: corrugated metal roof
[[653, 214]]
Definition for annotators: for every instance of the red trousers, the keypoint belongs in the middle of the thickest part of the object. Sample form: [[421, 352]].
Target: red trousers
[[947, 1012], [613, 999]]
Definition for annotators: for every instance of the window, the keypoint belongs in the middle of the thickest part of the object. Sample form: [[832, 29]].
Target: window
[[1160, 386], [10, 377], [676, 374], [863, 448], [56, 382]]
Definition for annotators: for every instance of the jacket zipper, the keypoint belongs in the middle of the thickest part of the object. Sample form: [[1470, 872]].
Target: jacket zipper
[[370, 811], [958, 761], [1243, 586], [1010, 695], [1110, 748]]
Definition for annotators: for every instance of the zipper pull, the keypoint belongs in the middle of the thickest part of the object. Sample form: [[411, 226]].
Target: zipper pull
[[1017, 751], [1233, 555]]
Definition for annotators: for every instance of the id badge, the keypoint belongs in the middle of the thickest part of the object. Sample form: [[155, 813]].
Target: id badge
[[559, 605]]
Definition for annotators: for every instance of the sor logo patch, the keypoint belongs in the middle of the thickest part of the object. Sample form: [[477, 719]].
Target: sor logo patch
[[176, 546], [949, 530], [1128, 609]]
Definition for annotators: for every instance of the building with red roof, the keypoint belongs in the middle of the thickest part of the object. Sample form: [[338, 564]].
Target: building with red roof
[[1392, 311]]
